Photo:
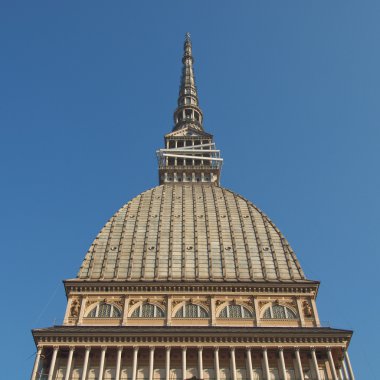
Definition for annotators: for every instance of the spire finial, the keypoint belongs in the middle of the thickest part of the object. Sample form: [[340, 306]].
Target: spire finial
[[188, 111], [187, 53]]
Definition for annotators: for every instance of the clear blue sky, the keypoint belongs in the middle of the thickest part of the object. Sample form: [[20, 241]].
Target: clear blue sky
[[290, 89]]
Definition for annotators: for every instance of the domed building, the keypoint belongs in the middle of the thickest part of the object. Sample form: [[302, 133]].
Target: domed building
[[191, 280]]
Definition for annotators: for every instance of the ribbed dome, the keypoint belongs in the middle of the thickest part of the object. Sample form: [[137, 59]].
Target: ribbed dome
[[190, 232]]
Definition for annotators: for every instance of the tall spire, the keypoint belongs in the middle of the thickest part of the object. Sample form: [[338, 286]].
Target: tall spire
[[190, 154], [188, 112]]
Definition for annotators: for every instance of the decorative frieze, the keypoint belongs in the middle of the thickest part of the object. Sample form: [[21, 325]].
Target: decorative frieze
[[190, 340], [80, 305], [209, 288]]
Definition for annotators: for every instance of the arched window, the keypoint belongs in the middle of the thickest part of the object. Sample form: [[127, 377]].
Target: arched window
[[191, 310], [104, 310], [148, 310], [279, 312], [235, 311]]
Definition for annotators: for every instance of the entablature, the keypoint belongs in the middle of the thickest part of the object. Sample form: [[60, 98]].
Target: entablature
[[122, 287], [255, 337]]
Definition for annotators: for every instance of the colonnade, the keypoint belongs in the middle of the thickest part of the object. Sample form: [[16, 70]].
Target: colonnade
[[345, 371]]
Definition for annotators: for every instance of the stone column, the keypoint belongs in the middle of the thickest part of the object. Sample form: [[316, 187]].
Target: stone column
[[249, 363], [169, 311], [299, 364], [82, 310], [233, 363], [85, 363], [67, 312], [213, 311], [167, 363], [300, 312], [102, 360], [52, 363], [332, 364], [36, 363], [216, 360], [134, 365], [118, 362], [349, 367], [125, 311], [315, 312], [151, 362], [184, 367], [315, 363], [282, 363], [200, 362], [266, 364], [257, 311], [69, 361], [346, 377]]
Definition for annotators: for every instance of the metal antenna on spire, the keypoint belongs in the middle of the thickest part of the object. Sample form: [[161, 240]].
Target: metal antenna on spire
[[188, 37]]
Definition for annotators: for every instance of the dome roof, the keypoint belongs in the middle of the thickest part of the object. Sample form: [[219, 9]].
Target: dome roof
[[190, 232]]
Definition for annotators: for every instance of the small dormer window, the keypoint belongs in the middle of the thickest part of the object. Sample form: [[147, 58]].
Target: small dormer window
[[191, 310], [148, 310], [276, 311], [235, 312], [104, 310]]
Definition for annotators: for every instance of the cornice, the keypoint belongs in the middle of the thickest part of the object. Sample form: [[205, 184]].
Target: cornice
[[76, 285], [60, 335]]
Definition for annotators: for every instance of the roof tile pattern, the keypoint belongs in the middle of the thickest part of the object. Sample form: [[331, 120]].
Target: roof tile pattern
[[190, 232]]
